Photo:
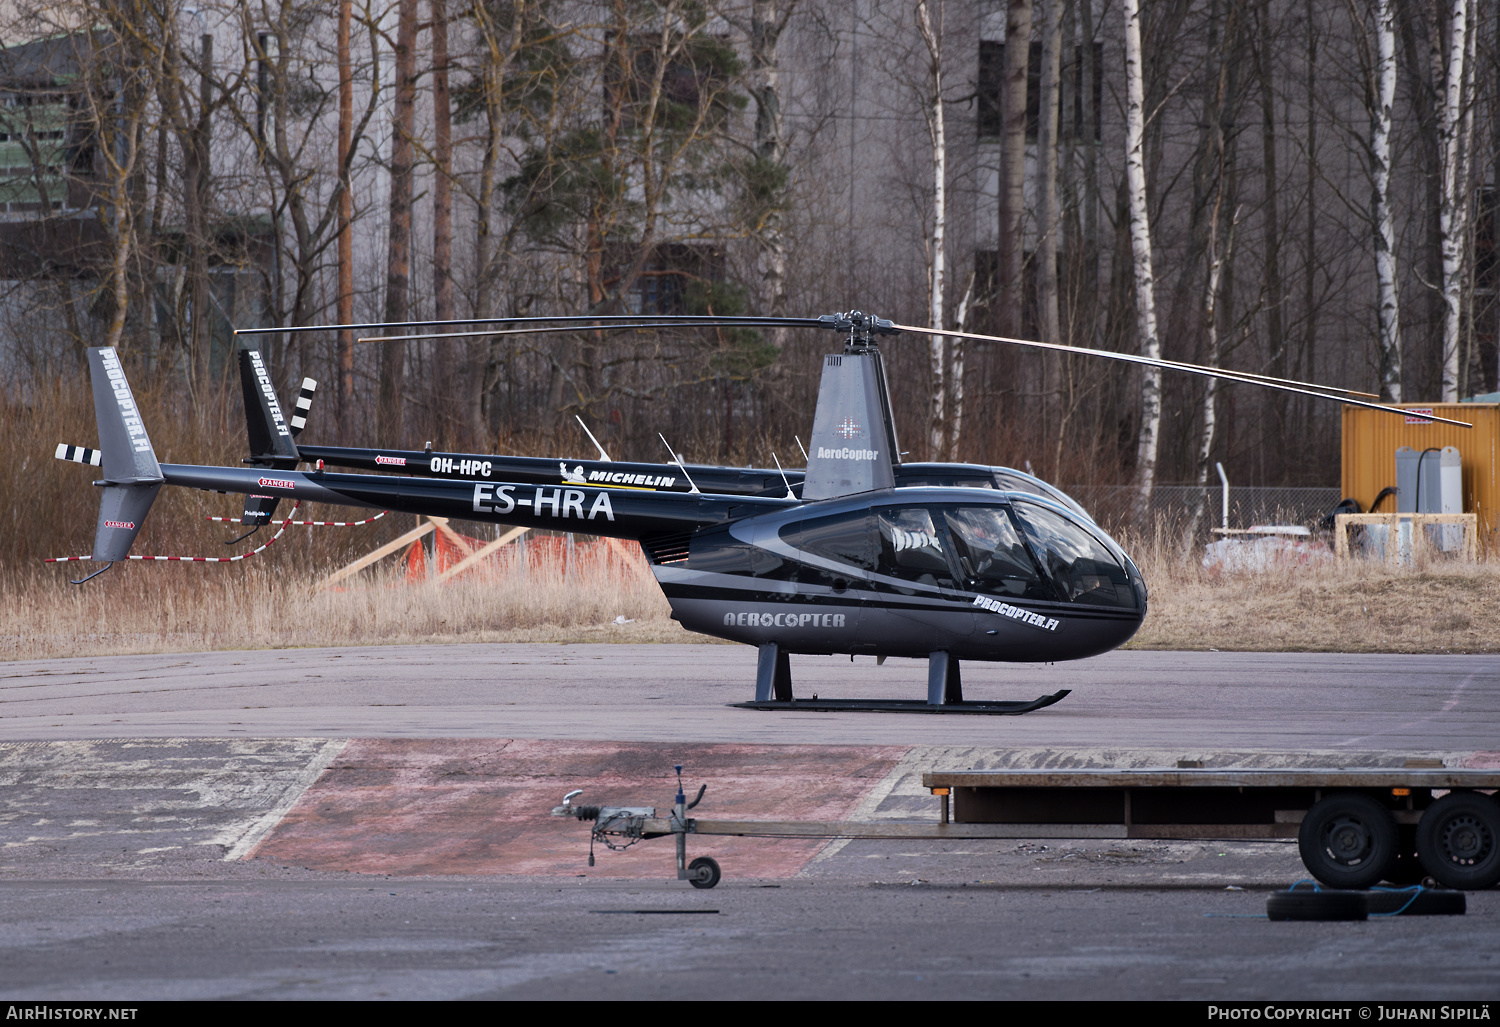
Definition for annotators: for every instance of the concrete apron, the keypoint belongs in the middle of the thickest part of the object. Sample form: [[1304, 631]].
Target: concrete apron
[[479, 806]]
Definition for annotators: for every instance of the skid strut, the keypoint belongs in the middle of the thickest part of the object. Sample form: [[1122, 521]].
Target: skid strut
[[945, 692]]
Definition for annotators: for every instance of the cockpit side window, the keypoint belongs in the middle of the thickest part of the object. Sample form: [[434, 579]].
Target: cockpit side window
[[991, 555], [842, 538], [912, 547], [1083, 570]]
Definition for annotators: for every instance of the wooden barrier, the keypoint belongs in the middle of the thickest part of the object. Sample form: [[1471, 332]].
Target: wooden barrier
[[431, 524]]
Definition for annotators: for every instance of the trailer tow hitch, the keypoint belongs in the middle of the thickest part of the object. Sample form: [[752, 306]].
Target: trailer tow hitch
[[620, 827]]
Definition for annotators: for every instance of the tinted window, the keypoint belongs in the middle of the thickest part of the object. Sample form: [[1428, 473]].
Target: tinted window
[[720, 552], [843, 538], [991, 555], [1014, 481], [912, 547], [1082, 569], [944, 481]]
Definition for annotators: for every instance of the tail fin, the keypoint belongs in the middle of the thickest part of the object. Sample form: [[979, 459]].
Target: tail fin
[[132, 476], [270, 435]]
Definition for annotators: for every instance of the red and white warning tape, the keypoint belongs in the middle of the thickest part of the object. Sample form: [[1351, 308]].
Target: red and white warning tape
[[198, 559], [315, 524]]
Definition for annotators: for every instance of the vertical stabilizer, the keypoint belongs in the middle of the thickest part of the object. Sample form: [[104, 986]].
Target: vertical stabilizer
[[271, 435], [269, 431], [852, 449], [132, 476]]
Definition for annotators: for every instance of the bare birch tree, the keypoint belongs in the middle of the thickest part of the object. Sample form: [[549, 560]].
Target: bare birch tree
[[1380, 99], [937, 256], [1452, 216], [1140, 248]]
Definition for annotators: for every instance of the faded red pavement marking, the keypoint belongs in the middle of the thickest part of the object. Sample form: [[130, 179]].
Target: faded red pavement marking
[[1482, 761], [471, 806]]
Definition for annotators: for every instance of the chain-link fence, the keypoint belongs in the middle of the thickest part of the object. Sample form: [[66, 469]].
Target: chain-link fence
[[1177, 507]]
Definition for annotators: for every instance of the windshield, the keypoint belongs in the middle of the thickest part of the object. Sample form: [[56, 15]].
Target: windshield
[[1080, 566], [991, 554]]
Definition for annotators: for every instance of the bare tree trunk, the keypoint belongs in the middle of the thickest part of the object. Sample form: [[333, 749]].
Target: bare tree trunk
[[956, 371], [1049, 222], [936, 254], [767, 20], [1388, 304], [1089, 285], [1275, 329], [345, 383], [1452, 219], [1140, 247], [398, 247], [1012, 236], [497, 45], [442, 213]]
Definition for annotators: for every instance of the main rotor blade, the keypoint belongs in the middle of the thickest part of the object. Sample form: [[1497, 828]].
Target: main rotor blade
[[742, 323], [1225, 372], [1249, 378], [583, 319]]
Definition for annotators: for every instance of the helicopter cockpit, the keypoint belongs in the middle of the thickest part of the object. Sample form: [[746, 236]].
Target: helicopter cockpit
[[1015, 546]]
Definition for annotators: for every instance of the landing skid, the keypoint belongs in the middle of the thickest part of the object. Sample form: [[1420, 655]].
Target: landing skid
[[980, 706], [945, 692]]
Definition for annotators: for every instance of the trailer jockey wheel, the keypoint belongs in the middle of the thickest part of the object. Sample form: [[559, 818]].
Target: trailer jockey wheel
[[1348, 840], [703, 872], [1458, 839]]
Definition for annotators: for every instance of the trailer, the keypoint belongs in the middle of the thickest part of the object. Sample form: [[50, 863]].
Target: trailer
[[1354, 827]]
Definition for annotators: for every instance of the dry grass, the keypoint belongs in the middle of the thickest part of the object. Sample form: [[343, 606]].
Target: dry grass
[[1355, 606], [150, 608]]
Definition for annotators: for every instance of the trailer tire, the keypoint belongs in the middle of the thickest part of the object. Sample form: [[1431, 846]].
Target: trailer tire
[[704, 872], [1416, 902], [1316, 905], [1458, 840], [1348, 840]]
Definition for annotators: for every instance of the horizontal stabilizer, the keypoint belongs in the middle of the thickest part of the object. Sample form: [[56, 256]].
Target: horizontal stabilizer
[[79, 455], [259, 510]]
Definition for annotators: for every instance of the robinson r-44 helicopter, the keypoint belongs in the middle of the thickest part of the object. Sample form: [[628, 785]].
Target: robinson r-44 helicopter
[[859, 564]]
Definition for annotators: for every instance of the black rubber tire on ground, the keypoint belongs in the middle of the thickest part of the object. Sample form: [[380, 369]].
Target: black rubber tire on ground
[[1426, 902], [1348, 840], [1316, 905], [1458, 839], [701, 880]]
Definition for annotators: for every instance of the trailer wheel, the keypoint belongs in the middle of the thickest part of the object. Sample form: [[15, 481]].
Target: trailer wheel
[[1348, 840], [704, 871], [1458, 839], [1316, 905]]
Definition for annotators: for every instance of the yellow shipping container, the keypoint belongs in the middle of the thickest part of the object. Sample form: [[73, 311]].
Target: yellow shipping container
[[1371, 439]]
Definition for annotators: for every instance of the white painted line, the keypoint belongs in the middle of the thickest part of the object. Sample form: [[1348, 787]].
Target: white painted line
[[865, 808], [244, 837]]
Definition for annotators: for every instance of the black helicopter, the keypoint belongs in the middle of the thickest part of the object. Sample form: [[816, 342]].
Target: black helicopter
[[856, 565]]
